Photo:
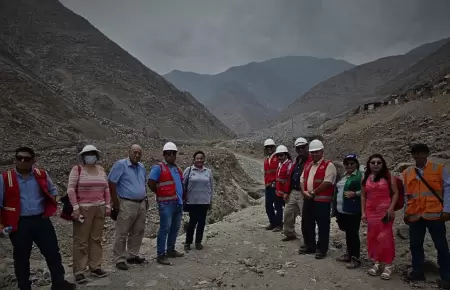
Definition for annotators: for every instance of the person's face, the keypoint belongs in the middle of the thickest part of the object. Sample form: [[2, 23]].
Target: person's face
[[281, 157], [350, 165], [316, 155], [302, 150], [376, 164], [24, 161], [270, 149], [170, 156], [199, 160], [420, 157], [135, 155]]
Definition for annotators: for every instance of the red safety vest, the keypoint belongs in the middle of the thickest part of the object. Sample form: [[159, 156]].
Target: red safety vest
[[283, 179], [324, 196], [270, 170], [166, 188], [11, 200]]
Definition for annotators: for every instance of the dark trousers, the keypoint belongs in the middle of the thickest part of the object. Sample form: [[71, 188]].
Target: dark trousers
[[274, 207], [39, 230], [197, 218], [350, 223], [316, 212], [437, 230]]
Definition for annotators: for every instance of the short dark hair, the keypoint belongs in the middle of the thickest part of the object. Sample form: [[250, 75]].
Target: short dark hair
[[26, 149], [419, 148], [198, 152]]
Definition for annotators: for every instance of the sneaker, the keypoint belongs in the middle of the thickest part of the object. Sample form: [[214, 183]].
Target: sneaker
[[277, 229], [198, 246], [122, 266], [99, 273], [174, 254], [353, 263], [163, 260], [80, 279], [65, 286], [136, 260], [187, 247], [288, 238]]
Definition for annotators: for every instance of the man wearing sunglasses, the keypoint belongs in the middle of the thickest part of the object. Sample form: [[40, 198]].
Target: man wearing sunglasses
[[166, 180], [27, 201]]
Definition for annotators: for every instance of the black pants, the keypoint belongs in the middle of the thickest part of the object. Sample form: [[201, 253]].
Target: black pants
[[316, 212], [197, 218], [350, 223], [39, 230]]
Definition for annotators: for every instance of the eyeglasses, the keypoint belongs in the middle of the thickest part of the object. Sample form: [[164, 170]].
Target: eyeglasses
[[376, 162], [24, 158]]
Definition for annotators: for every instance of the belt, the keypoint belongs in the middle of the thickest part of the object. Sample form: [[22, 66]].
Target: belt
[[134, 200]]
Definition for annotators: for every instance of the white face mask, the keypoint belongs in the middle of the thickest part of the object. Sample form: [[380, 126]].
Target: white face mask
[[90, 159]]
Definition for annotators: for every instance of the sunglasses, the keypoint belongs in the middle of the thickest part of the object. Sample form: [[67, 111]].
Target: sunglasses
[[376, 162], [301, 147], [171, 153], [280, 155], [349, 163], [23, 158]]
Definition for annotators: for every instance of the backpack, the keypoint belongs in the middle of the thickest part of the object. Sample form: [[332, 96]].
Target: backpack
[[401, 192]]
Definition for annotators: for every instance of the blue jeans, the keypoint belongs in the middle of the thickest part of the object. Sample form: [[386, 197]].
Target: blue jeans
[[437, 230], [274, 207], [169, 225]]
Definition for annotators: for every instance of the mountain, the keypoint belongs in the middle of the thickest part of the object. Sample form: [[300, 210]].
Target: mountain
[[63, 71], [274, 84], [358, 85]]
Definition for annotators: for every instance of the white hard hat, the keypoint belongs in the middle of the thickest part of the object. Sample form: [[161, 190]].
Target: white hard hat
[[281, 149], [170, 146], [300, 142], [89, 148], [315, 145], [269, 142]]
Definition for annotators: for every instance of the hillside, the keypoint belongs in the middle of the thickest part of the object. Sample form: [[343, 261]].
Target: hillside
[[357, 85], [62, 68], [274, 84]]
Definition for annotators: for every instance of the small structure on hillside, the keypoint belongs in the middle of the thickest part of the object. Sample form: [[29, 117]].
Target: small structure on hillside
[[372, 106]]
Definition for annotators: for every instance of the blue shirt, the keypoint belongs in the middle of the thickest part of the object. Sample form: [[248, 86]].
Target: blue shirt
[[31, 197], [129, 179], [155, 173]]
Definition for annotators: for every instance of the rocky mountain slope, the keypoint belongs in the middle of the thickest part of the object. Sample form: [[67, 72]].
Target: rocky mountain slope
[[271, 84], [82, 82]]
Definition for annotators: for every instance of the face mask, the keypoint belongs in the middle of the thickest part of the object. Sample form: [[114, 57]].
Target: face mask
[[90, 159]]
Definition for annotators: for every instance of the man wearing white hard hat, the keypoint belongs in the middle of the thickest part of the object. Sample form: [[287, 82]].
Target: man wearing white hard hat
[[166, 181], [270, 175], [294, 201], [129, 207], [317, 185]]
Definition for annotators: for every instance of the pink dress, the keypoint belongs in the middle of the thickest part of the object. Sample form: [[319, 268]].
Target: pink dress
[[380, 236]]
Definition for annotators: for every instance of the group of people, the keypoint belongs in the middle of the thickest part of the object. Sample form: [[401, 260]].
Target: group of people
[[311, 186], [28, 200]]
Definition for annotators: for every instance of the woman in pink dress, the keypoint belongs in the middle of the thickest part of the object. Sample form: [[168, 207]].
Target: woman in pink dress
[[378, 197]]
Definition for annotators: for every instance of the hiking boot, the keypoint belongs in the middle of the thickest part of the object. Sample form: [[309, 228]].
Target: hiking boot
[[198, 246], [80, 279], [64, 286], [415, 277], [99, 273], [277, 229], [187, 247], [163, 260], [136, 260], [353, 263], [288, 238], [443, 284], [269, 227], [122, 266], [174, 254], [344, 259], [320, 255]]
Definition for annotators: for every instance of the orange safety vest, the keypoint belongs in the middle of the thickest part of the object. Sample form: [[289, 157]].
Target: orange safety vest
[[11, 200], [283, 178], [420, 201], [270, 170], [324, 196], [166, 188]]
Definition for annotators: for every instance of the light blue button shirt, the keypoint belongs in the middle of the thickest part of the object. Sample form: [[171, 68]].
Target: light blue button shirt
[[129, 179], [31, 197], [155, 173]]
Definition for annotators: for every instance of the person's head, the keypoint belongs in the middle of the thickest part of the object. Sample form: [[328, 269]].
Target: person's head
[[135, 153], [170, 152], [199, 159], [301, 147], [420, 153], [377, 166], [282, 153], [351, 163], [269, 147], [24, 158], [90, 155], [316, 150]]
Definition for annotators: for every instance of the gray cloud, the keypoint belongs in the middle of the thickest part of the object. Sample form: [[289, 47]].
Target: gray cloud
[[211, 35]]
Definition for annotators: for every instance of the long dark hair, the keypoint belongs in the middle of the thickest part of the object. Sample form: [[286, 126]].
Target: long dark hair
[[383, 173]]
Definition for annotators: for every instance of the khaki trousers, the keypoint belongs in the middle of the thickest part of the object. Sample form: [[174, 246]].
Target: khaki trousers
[[292, 209], [87, 239], [130, 227]]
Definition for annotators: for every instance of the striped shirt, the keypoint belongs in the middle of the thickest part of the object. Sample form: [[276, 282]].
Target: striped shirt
[[88, 190]]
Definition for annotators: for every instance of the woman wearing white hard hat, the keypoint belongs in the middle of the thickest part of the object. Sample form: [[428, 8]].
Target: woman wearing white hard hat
[[283, 184], [270, 176], [88, 193]]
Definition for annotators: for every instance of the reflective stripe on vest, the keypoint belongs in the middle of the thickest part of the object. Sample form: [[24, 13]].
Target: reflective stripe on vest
[[170, 193], [326, 195]]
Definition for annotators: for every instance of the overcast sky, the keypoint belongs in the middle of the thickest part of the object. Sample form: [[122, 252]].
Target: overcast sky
[[208, 36]]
